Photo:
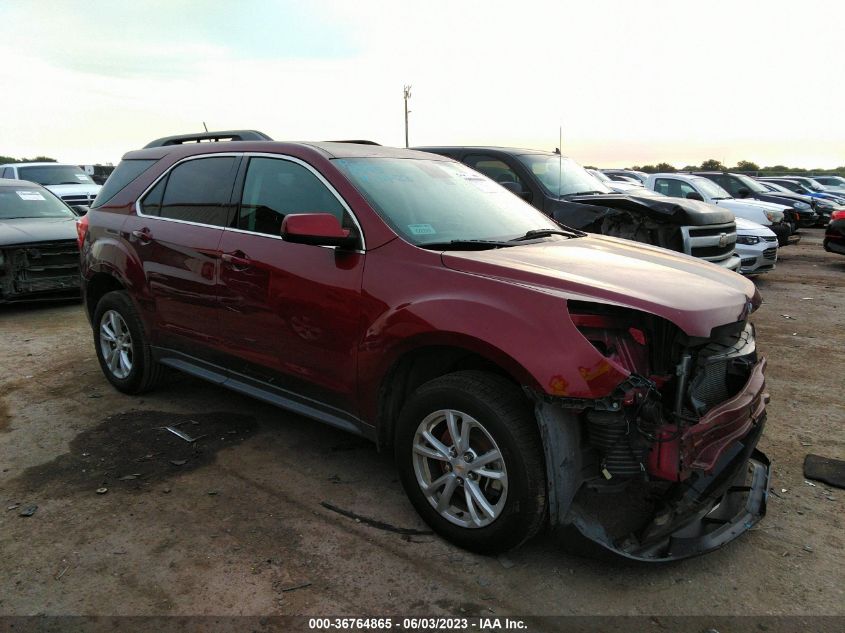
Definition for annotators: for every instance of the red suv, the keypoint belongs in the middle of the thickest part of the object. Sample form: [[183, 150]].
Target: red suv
[[523, 373]]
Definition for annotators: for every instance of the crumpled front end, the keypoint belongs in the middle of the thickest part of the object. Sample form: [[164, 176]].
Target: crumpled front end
[[666, 466], [43, 270]]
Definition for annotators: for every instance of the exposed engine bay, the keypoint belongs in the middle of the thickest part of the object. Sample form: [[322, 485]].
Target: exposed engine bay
[[686, 419]]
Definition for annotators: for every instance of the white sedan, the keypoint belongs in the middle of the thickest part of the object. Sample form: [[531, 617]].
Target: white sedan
[[757, 247]]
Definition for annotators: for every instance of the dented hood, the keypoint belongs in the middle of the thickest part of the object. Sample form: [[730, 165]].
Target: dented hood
[[693, 294], [31, 230], [680, 211]]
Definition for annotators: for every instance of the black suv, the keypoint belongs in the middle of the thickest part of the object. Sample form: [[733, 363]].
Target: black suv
[[564, 190], [742, 186]]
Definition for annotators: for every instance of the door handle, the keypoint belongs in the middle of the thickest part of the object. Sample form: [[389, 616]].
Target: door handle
[[237, 260], [143, 235]]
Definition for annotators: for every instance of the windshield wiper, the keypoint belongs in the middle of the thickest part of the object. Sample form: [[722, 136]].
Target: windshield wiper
[[537, 233], [472, 244], [586, 193]]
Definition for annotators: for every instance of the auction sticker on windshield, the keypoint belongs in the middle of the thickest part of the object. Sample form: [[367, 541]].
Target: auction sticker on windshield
[[30, 195], [421, 229]]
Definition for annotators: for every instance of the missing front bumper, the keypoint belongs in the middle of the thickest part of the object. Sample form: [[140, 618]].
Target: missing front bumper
[[702, 516]]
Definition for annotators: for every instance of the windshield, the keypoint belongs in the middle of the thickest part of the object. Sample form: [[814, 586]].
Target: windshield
[[436, 202], [55, 175], [562, 176], [751, 184], [710, 189], [29, 202], [771, 186], [603, 177]]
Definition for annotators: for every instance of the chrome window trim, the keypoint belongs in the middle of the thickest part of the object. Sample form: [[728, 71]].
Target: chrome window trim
[[292, 159]]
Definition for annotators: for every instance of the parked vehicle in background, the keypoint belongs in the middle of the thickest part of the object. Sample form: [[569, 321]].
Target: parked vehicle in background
[[68, 182], [832, 183], [699, 188], [99, 173], [822, 206], [804, 188], [756, 246], [521, 373], [638, 176], [39, 257], [834, 235], [744, 187], [562, 189], [618, 186]]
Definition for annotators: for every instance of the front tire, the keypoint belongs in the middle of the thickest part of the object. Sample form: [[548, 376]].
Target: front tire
[[121, 344], [470, 459]]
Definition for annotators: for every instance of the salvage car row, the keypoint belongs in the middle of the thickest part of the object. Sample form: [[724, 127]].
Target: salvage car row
[[659, 209], [523, 372]]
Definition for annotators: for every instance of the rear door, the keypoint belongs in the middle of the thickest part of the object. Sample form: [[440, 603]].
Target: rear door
[[291, 316], [176, 236]]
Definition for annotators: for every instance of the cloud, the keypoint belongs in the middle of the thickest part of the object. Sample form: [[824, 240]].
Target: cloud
[[629, 84]]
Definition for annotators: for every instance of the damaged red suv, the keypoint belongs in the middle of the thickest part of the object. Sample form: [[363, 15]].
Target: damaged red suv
[[524, 374]]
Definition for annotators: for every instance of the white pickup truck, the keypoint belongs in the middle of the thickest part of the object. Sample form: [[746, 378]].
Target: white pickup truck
[[68, 182], [691, 187]]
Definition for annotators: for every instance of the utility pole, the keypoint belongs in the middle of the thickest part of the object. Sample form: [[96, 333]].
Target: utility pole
[[407, 96]]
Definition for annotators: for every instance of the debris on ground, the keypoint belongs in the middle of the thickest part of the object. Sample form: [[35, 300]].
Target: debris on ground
[[182, 434], [825, 469], [505, 562], [28, 511], [295, 587], [178, 462], [373, 522], [786, 316], [102, 491]]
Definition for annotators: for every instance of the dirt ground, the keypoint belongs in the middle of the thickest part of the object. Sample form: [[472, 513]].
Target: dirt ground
[[237, 523]]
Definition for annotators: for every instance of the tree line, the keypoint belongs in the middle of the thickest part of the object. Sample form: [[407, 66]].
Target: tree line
[[743, 166], [37, 159]]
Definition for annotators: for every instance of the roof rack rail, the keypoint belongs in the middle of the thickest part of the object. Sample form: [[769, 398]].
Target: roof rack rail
[[213, 137], [357, 142]]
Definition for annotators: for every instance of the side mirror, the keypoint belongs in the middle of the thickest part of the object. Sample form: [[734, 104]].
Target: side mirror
[[80, 209], [743, 192], [319, 229], [694, 195]]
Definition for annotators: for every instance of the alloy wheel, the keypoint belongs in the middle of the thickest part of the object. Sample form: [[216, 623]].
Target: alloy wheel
[[116, 344], [460, 469]]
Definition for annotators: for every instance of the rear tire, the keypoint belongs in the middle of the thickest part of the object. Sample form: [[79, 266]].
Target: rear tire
[[121, 344], [485, 492]]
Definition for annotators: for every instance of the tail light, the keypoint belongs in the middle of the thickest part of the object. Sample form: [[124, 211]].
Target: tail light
[[81, 230], [838, 215]]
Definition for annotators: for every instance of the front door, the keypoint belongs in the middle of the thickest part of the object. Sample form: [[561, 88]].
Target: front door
[[291, 313]]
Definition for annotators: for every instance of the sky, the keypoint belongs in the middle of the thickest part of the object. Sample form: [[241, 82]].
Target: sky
[[629, 83]]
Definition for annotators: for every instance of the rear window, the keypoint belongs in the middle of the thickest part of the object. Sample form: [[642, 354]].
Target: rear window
[[126, 172]]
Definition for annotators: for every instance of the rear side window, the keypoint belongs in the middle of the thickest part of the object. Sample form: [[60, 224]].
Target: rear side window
[[275, 188], [124, 173], [197, 190]]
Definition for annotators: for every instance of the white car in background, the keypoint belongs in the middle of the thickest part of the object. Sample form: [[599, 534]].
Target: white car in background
[[68, 182], [617, 186], [756, 246], [678, 185]]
